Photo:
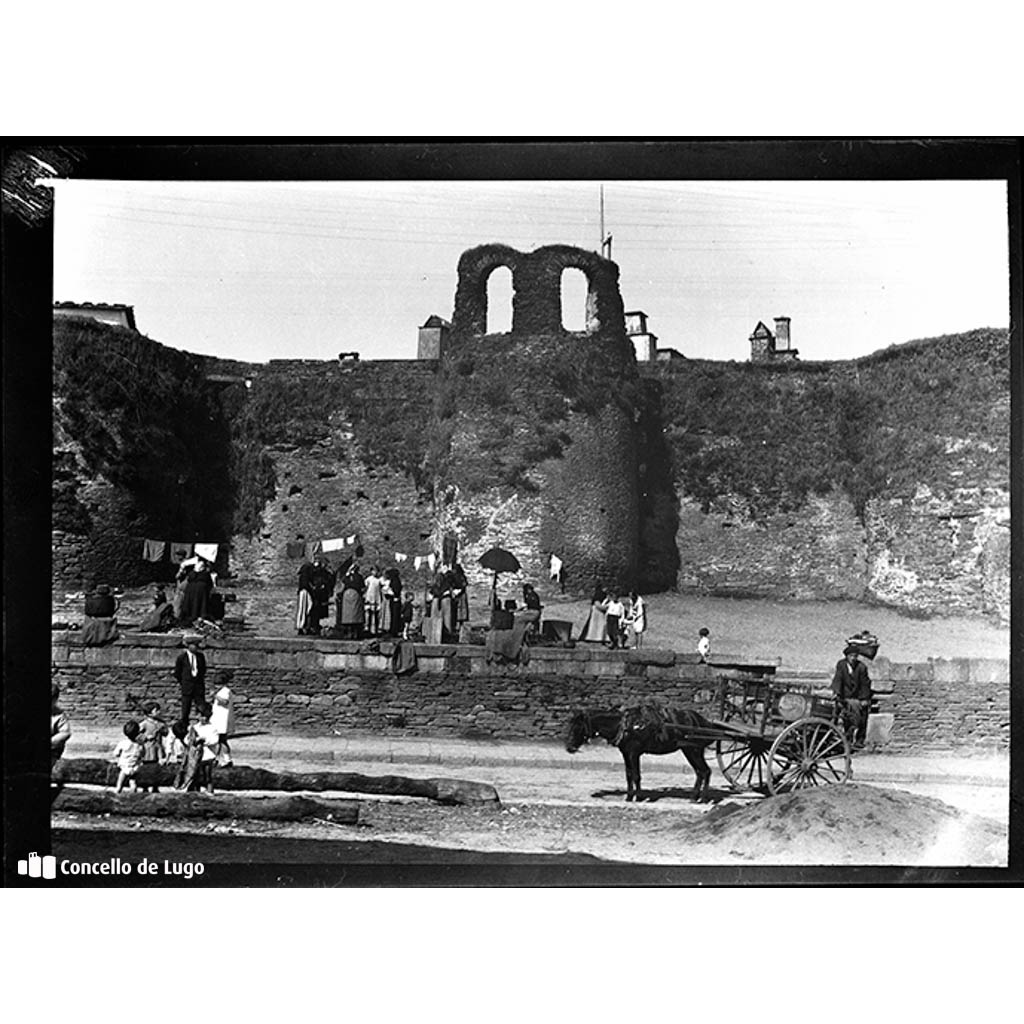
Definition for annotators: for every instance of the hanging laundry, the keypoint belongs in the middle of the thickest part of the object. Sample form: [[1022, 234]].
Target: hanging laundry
[[208, 552], [431, 561], [399, 557], [417, 561], [556, 567], [295, 549], [153, 550], [180, 550], [335, 544], [351, 540]]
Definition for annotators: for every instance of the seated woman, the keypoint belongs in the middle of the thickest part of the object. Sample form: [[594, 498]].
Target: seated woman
[[99, 625], [531, 616]]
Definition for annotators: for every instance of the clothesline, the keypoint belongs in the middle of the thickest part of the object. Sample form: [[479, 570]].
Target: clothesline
[[178, 551], [311, 549]]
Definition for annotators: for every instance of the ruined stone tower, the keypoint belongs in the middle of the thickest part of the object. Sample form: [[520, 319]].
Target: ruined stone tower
[[533, 447]]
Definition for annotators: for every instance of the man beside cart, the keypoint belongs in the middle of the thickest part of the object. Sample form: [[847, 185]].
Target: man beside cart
[[852, 687]]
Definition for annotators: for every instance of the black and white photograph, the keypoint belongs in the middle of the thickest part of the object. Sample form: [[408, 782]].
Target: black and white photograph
[[512, 514]]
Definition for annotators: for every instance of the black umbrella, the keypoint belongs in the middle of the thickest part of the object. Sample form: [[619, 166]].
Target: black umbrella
[[500, 560]]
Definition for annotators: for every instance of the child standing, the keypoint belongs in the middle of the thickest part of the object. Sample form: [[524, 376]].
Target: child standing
[[174, 752], [222, 719], [614, 610], [407, 615], [636, 618], [207, 735], [128, 756], [152, 731], [704, 643]]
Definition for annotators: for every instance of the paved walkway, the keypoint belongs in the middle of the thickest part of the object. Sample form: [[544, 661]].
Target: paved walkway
[[440, 755]]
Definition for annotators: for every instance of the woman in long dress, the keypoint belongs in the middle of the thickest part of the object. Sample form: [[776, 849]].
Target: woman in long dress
[[595, 628], [350, 608], [197, 595]]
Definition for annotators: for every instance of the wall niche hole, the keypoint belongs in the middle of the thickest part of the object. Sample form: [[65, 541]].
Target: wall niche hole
[[326, 474], [323, 508], [294, 489], [362, 494], [284, 508]]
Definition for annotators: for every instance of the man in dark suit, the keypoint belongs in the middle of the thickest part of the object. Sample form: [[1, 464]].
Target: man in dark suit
[[852, 687], [190, 671]]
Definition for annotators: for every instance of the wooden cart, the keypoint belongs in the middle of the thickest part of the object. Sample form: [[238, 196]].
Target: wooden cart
[[773, 737]]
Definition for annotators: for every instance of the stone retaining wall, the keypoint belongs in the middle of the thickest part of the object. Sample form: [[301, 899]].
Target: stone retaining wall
[[318, 687]]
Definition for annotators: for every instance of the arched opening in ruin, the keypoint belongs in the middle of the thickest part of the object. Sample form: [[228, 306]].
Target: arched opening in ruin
[[575, 294], [499, 301]]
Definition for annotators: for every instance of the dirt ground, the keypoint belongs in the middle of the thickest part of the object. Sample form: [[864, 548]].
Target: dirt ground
[[853, 825]]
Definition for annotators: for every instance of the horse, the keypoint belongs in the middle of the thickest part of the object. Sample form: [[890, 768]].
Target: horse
[[646, 729]]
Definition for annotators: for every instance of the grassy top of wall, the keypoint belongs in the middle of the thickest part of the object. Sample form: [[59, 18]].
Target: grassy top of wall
[[141, 416], [385, 408], [932, 412]]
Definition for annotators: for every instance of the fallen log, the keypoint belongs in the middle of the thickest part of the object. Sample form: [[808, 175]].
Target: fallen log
[[173, 804], [97, 772]]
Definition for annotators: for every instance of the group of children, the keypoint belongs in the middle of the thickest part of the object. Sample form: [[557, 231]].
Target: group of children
[[194, 750]]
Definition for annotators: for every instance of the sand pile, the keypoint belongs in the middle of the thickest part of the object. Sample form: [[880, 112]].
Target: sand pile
[[851, 824]]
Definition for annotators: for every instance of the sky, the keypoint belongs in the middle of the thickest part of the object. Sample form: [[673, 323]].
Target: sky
[[290, 270]]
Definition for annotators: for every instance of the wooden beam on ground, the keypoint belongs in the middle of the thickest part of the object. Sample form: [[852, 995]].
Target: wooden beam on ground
[[97, 772], [173, 804]]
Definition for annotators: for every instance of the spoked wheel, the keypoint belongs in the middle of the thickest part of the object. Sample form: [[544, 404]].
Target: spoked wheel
[[810, 752], [744, 762]]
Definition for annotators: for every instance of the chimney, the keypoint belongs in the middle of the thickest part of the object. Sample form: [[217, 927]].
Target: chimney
[[782, 334]]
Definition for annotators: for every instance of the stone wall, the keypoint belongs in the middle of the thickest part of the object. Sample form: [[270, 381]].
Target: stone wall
[[930, 553], [342, 481], [816, 552], [316, 687], [883, 479], [941, 552], [109, 552]]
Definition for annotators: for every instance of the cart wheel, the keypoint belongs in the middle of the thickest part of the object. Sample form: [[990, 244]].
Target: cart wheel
[[744, 762], [810, 752]]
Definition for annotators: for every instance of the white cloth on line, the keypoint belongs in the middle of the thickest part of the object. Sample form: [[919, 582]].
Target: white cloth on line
[[417, 561], [431, 561], [399, 557], [351, 540], [556, 567], [207, 552], [335, 544]]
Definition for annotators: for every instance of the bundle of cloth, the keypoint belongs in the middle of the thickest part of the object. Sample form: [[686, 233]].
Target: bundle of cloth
[[865, 643]]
